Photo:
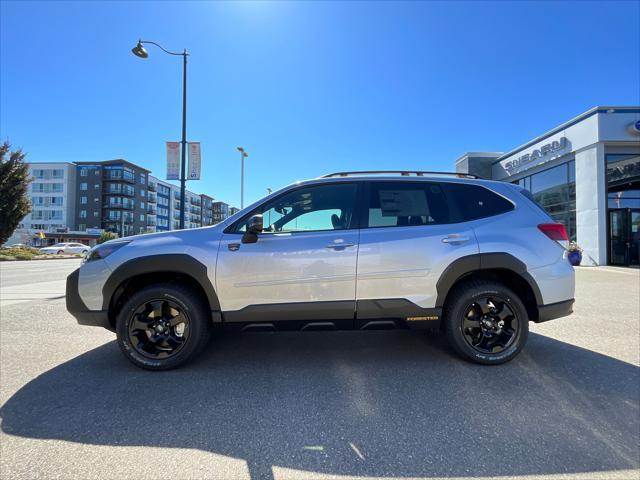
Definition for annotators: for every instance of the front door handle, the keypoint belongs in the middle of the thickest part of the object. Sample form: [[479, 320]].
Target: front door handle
[[339, 246], [455, 239]]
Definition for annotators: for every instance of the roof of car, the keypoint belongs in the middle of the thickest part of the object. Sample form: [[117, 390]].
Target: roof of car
[[406, 176]]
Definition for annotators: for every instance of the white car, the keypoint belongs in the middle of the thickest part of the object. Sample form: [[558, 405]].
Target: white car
[[68, 247]]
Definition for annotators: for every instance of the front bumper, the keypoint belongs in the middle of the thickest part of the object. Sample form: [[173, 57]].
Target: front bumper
[[77, 308], [554, 310]]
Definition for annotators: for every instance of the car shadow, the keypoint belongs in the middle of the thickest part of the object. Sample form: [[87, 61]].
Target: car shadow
[[351, 403]]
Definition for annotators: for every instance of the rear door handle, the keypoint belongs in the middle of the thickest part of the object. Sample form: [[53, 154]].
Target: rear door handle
[[455, 239]]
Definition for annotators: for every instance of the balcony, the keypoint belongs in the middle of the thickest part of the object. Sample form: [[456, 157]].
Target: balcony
[[126, 192], [119, 206], [152, 210], [116, 221], [116, 176], [151, 187], [151, 198], [151, 222]]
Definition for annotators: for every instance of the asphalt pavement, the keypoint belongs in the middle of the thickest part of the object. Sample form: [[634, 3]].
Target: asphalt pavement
[[319, 404]]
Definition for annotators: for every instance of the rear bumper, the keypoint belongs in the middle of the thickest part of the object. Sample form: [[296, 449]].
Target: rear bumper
[[77, 308], [554, 310]]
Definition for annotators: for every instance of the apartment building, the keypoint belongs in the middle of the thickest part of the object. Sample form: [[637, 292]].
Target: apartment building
[[207, 209], [79, 200], [52, 196], [112, 195], [220, 211]]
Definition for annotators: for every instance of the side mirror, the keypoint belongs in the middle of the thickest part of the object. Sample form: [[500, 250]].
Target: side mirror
[[254, 227]]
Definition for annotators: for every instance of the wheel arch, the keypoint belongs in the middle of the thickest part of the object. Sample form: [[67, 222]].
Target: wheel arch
[[143, 271], [499, 267]]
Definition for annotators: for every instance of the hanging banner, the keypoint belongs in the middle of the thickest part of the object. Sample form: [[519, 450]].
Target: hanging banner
[[194, 161], [173, 160]]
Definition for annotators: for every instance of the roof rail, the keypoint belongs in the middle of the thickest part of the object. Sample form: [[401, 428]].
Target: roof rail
[[403, 173]]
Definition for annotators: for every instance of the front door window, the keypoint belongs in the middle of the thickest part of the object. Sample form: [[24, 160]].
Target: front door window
[[313, 209]]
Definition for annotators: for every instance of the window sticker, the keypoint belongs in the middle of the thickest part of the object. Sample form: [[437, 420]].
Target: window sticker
[[403, 203]]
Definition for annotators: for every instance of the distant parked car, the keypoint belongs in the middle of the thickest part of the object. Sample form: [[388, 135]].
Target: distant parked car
[[16, 245], [60, 248]]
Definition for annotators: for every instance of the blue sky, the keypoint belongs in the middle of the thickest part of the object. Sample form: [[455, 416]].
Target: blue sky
[[307, 87]]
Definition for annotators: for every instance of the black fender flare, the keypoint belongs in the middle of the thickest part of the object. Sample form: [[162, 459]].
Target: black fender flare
[[175, 262], [483, 261]]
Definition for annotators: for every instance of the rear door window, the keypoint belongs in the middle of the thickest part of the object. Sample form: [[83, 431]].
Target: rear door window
[[470, 202], [404, 204]]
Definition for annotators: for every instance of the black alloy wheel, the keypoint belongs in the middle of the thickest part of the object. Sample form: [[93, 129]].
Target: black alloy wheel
[[485, 321], [158, 328], [490, 325], [164, 325]]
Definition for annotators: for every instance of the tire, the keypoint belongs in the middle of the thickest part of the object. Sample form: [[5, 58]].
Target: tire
[[60, 252], [197, 326], [472, 300]]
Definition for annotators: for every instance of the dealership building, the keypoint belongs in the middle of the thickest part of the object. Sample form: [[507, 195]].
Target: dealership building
[[586, 174]]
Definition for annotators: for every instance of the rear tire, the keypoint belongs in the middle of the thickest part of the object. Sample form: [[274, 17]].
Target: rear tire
[[163, 326], [485, 322], [60, 252]]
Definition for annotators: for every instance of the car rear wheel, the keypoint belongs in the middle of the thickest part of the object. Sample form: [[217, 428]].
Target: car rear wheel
[[60, 252], [163, 326], [486, 322]]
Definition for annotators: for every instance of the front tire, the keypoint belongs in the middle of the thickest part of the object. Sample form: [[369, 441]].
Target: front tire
[[163, 326], [485, 322], [60, 252]]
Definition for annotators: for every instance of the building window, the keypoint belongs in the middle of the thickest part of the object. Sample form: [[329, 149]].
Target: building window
[[83, 186], [96, 213], [622, 169], [143, 193], [141, 204], [83, 214], [82, 226], [84, 172], [143, 178], [83, 200], [555, 190], [142, 217]]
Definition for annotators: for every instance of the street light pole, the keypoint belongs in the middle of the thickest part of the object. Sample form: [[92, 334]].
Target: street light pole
[[140, 51], [243, 155], [184, 138]]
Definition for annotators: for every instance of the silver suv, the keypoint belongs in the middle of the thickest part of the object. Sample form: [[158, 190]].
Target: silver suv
[[352, 250]]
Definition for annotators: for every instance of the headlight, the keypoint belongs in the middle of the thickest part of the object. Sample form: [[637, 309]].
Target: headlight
[[104, 250]]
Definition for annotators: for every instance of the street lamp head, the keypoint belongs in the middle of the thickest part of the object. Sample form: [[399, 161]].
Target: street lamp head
[[242, 152], [140, 51]]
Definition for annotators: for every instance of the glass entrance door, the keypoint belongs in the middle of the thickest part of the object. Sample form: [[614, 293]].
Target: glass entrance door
[[624, 236]]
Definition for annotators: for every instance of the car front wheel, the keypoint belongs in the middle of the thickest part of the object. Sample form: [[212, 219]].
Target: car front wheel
[[163, 326], [486, 322]]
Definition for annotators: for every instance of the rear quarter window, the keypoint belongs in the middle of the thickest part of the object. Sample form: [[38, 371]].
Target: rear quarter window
[[471, 202]]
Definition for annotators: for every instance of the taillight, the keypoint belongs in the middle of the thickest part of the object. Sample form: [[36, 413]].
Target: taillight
[[555, 231]]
